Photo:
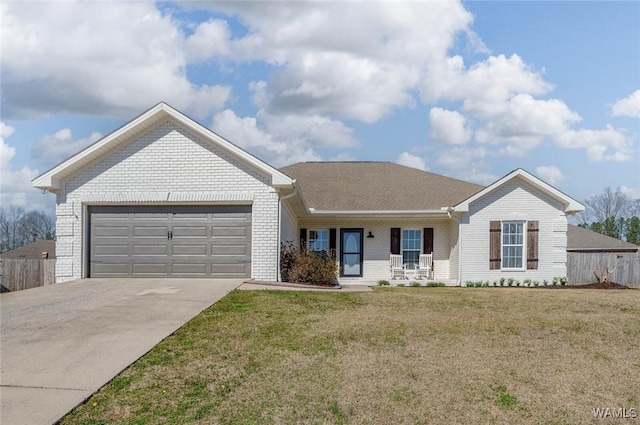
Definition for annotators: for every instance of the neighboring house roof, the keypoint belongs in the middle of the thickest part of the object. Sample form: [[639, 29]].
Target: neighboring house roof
[[160, 113], [375, 188], [32, 251], [579, 239], [570, 204]]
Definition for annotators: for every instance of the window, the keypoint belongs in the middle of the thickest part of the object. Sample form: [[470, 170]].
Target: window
[[411, 246], [512, 244], [318, 240]]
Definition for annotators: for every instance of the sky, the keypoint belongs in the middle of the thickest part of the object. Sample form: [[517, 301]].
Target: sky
[[470, 90]]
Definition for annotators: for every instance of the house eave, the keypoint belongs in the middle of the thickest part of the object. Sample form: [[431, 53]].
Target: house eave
[[378, 213]]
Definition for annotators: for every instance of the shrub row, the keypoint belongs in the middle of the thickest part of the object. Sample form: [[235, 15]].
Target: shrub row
[[515, 282]]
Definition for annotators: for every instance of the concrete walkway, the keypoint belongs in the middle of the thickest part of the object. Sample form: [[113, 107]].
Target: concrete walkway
[[255, 286], [61, 343]]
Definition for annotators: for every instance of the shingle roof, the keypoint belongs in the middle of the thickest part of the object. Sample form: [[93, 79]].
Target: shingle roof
[[32, 251], [375, 186], [579, 239]]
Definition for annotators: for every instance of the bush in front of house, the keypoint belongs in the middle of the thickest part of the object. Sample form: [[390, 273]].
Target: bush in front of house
[[304, 266]]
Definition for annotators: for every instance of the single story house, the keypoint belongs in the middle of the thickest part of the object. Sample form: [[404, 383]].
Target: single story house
[[34, 251], [164, 196]]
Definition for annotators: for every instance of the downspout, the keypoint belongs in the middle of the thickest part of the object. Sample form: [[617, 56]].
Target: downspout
[[291, 195], [449, 211]]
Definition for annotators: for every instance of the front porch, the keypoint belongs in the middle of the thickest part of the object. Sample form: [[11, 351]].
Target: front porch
[[397, 282]]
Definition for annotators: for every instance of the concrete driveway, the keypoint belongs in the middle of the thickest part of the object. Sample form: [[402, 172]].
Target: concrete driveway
[[61, 343]]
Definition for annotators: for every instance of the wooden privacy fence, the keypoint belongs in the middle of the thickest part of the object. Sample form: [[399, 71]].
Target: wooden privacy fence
[[19, 274], [580, 267]]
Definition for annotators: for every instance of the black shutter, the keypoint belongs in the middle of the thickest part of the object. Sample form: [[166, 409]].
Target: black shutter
[[395, 240], [303, 238], [332, 241], [532, 245], [495, 234], [427, 240]]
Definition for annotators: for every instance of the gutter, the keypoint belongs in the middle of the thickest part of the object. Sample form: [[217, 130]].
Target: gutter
[[374, 213], [449, 211], [291, 195]]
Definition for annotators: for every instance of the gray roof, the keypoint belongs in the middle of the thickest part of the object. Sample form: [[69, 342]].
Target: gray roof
[[376, 186], [579, 239], [32, 251]]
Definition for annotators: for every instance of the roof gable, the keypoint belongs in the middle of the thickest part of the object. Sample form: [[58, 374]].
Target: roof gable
[[51, 179], [570, 205], [375, 188]]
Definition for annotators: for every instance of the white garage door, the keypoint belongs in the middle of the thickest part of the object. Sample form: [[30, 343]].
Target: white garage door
[[177, 241]]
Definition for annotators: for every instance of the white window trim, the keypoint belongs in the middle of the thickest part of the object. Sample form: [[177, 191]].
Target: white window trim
[[402, 250], [524, 246]]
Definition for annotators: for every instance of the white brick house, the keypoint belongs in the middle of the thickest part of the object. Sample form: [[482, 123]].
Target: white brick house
[[164, 196]]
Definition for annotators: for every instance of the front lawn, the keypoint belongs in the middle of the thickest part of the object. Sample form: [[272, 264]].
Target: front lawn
[[393, 356]]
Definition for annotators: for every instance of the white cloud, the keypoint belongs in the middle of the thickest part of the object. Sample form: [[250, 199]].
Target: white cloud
[[449, 127], [600, 145], [485, 87], [550, 174], [55, 148], [248, 134], [210, 38], [631, 192], [458, 158], [92, 57], [345, 59], [15, 184], [627, 107], [412, 161]]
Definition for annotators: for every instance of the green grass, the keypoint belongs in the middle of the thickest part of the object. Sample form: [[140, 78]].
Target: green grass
[[399, 355]]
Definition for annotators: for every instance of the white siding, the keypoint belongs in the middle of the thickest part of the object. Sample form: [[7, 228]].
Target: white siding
[[288, 225], [165, 165], [377, 249], [515, 200]]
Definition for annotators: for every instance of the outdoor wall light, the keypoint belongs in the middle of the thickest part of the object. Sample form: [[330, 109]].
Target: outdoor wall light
[[370, 235]]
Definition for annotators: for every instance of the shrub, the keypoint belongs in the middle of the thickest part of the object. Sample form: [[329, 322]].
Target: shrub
[[303, 266], [510, 281], [435, 284], [502, 281], [383, 283], [495, 283], [545, 282], [559, 279], [415, 284], [527, 282]]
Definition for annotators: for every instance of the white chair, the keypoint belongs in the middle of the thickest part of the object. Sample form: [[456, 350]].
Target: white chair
[[425, 266], [398, 269]]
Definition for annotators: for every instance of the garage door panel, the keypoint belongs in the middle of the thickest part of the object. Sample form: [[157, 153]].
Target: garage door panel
[[190, 232], [151, 231], [112, 231], [170, 241], [150, 269], [142, 250], [229, 250], [229, 231], [120, 250], [189, 250], [112, 268]]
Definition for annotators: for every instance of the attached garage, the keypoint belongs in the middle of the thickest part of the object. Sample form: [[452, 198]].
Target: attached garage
[[170, 241], [164, 196]]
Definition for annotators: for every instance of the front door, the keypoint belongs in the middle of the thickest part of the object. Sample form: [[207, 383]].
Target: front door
[[351, 252]]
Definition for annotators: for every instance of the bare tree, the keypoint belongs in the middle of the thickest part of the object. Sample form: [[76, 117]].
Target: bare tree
[[607, 205], [608, 213], [19, 227]]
